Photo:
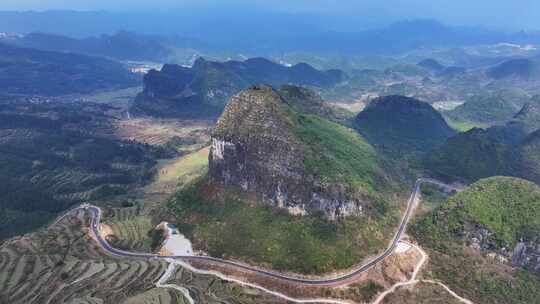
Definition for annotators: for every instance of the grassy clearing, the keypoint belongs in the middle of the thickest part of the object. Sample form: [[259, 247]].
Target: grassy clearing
[[275, 239], [185, 169], [174, 174], [464, 126]]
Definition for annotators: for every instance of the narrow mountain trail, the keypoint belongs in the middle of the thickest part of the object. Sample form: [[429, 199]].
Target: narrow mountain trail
[[251, 285], [461, 299], [413, 281], [168, 273]]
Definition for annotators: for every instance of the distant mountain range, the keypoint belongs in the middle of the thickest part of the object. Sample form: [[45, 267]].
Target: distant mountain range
[[203, 90], [522, 68], [269, 38], [510, 149], [35, 72], [122, 45]]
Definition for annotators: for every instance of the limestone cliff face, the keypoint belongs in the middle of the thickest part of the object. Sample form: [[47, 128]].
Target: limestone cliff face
[[254, 147], [525, 254]]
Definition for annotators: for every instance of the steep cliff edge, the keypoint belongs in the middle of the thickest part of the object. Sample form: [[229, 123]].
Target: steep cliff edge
[[297, 161], [287, 189]]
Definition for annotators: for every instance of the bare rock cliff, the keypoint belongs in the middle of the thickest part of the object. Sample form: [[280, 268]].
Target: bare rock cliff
[[255, 147]]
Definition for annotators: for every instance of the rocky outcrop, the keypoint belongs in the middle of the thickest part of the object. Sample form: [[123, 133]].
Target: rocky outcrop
[[497, 216], [255, 147], [525, 254]]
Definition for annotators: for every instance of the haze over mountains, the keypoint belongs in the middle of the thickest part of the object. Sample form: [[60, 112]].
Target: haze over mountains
[[34, 72], [279, 33]]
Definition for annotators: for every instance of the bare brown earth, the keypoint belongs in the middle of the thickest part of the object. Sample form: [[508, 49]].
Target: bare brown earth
[[191, 134], [396, 268], [356, 106], [421, 293]]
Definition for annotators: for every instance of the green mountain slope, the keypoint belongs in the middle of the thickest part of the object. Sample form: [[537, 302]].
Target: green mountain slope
[[518, 68], [508, 207], [475, 238], [529, 115], [490, 108], [471, 155], [529, 157], [501, 150], [402, 124]]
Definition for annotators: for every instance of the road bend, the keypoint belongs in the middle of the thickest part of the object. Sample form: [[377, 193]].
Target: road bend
[[338, 280]]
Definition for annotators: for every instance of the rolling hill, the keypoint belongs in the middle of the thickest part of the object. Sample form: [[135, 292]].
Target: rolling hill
[[470, 156], [491, 108], [525, 69], [402, 124]]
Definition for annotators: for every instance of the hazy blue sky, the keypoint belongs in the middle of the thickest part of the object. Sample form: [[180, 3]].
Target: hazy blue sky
[[494, 13]]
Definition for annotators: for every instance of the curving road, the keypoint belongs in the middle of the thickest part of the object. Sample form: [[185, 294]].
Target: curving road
[[338, 280]]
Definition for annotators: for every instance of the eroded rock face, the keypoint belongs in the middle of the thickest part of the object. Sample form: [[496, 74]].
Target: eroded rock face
[[525, 254], [254, 147]]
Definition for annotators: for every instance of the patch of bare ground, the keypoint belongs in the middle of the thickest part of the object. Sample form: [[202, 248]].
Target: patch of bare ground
[[185, 135], [421, 293], [355, 106], [174, 173]]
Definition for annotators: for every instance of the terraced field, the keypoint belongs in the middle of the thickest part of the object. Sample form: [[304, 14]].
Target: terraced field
[[130, 228], [185, 135], [158, 296], [63, 264]]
